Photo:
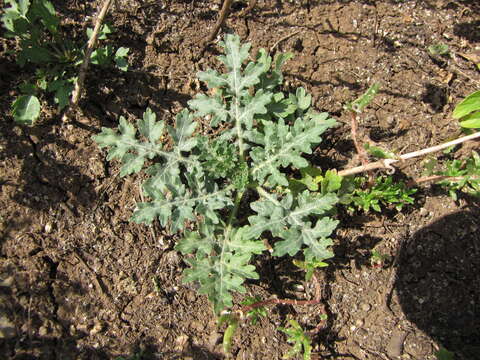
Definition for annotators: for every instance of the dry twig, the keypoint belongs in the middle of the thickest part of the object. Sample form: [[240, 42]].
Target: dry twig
[[221, 19], [387, 163], [77, 91]]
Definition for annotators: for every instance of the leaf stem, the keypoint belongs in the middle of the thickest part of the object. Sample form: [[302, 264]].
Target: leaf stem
[[236, 206], [261, 191]]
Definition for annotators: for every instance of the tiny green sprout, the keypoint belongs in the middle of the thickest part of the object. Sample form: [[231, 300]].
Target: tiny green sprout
[[438, 49], [468, 111], [256, 313], [301, 342], [358, 105], [313, 179], [377, 259], [309, 266]]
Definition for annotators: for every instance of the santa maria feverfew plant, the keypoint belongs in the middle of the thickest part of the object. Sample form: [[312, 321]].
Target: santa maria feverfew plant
[[233, 188]]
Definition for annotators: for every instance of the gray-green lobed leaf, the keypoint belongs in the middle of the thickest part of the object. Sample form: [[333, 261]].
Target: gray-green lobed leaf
[[290, 219], [282, 145]]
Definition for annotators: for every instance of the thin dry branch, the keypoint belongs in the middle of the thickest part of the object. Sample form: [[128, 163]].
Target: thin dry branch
[[221, 19], [283, 39], [387, 163], [77, 91]]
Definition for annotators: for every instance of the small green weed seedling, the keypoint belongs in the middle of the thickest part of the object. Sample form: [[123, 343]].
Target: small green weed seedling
[[212, 183], [383, 192], [461, 176], [377, 259], [301, 342], [43, 45], [439, 49]]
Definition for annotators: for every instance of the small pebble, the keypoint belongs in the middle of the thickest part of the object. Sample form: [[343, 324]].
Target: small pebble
[[365, 307], [359, 323], [48, 228], [97, 327], [362, 333], [43, 331]]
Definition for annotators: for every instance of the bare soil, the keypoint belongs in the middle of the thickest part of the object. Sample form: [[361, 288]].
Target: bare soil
[[77, 279]]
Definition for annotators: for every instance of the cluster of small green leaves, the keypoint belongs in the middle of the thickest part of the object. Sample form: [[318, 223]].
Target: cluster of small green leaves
[[255, 314], [43, 44], [301, 342], [210, 181], [353, 192], [383, 192], [461, 176]]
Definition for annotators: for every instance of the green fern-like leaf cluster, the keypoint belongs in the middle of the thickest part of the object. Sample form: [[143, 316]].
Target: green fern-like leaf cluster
[[210, 181]]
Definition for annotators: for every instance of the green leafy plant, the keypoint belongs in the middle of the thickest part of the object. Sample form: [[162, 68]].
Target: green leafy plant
[[232, 189], [468, 111], [43, 45], [461, 176], [309, 266], [301, 342], [383, 192]]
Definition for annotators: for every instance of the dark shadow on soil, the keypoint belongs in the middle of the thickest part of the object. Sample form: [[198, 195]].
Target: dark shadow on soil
[[435, 96], [469, 31], [438, 282]]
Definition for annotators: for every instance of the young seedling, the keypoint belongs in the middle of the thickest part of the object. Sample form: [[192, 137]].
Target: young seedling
[[377, 259], [301, 342]]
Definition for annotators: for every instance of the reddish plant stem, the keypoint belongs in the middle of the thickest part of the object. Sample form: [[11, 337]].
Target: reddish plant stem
[[318, 298], [360, 151]]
